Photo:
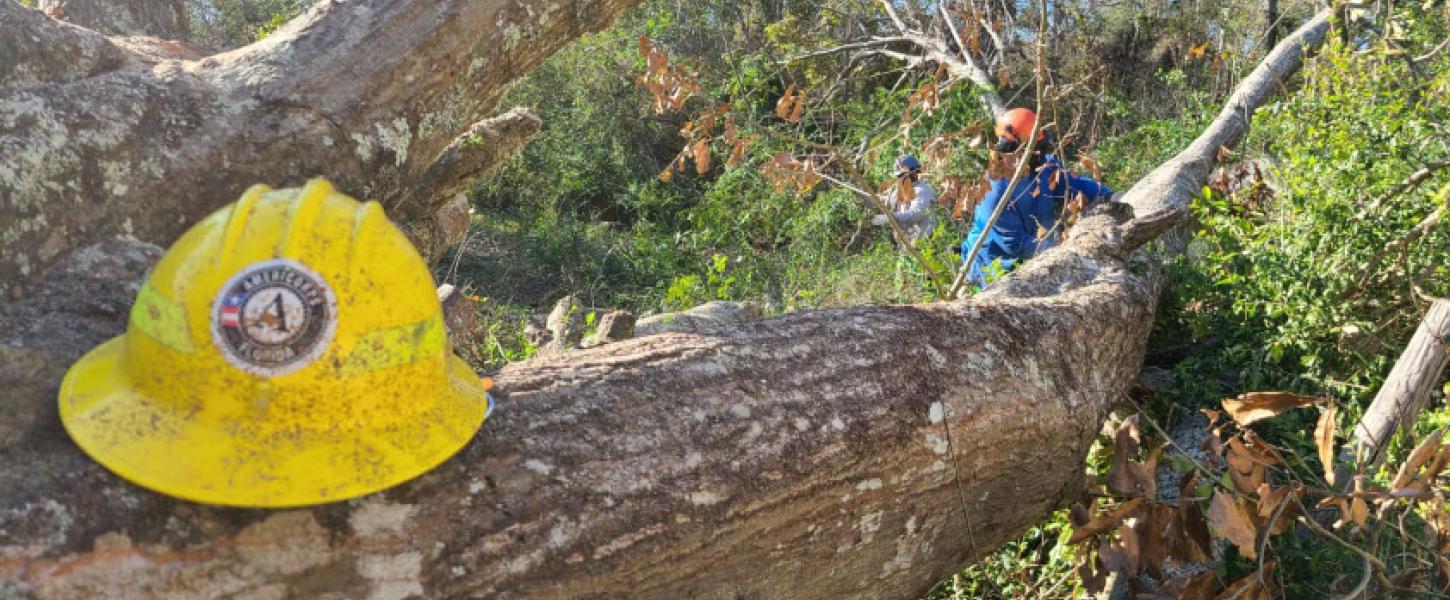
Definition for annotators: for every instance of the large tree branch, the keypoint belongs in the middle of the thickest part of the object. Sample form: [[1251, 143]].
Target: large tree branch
[[368, 93]]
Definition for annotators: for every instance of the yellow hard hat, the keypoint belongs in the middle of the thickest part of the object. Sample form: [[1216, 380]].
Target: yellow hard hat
[[288, 350]]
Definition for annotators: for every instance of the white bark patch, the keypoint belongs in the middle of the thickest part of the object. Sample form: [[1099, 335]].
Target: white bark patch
[[284, 543], [906, 551], [706, 497], [801, 424], [937, 443], [936, 413], [869, 484], [364, 146], [740, 411], [562, 533], [392, 577], [936, 357], [870, 524], [381, 518], [538, 466], [395, 137]]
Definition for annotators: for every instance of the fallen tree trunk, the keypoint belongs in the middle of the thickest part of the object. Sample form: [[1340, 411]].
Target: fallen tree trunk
[[1404, 393], [864, 452]]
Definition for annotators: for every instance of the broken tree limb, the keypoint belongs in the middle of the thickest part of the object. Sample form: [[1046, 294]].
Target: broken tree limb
[[1404, 393], [1160, 200], [864, 452]]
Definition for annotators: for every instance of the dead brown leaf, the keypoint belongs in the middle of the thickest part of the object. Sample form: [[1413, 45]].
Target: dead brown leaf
[[1091, 166], [1246, 473], [1276, 508], [1155, 536], [1358, 511], [1228, 517], [1427, 448], [1252, 407], [701, 150], [1340, 502], [1105, 522], [1254, 586], [782, 106], [1199, 586], [1124, 475]]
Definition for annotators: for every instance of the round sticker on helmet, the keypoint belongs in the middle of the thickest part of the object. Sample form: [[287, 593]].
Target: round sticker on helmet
[[274, 317]]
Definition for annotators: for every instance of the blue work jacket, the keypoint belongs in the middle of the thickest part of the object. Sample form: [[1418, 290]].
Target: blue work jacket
[[1035, 203]]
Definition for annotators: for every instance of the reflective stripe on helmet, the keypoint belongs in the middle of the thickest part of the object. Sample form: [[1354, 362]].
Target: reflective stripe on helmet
[[161, 318], [396, 346]]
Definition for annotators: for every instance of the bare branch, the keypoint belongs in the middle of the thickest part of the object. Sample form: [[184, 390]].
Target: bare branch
[[1398, 244], [969, 68], [895, 19], [865, 44], [1408, 184]]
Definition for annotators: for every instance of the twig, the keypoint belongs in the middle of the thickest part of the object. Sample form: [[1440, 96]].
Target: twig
[[1319, 529], [866, 44], [1408, 184], [1433, 51], [1358, 591], [1397, 245]]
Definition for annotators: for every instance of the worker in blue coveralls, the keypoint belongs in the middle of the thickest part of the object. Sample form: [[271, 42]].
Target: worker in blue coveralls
[[1036, 205]]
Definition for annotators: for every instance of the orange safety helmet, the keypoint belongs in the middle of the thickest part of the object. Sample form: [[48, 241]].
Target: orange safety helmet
[[1016, 124]]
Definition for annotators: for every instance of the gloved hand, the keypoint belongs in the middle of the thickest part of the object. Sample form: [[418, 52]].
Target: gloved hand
[[878, 220]]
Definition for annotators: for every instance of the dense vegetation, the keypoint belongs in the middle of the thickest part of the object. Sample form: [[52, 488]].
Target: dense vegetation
[[1299, 276]]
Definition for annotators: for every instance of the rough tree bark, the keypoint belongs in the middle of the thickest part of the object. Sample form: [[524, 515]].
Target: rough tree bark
[[863, 452], [388, 99], [164, 19]]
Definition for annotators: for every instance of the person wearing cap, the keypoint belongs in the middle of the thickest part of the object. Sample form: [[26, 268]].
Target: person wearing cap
[[1028, 224], [913, 215]]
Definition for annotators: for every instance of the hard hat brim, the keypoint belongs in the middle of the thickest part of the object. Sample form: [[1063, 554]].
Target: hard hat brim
[[165, 449]]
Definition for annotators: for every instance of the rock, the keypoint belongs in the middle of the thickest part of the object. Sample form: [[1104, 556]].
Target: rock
[[705, 317], [566, 324], [460, 318], [614, 325], [536, 332]]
